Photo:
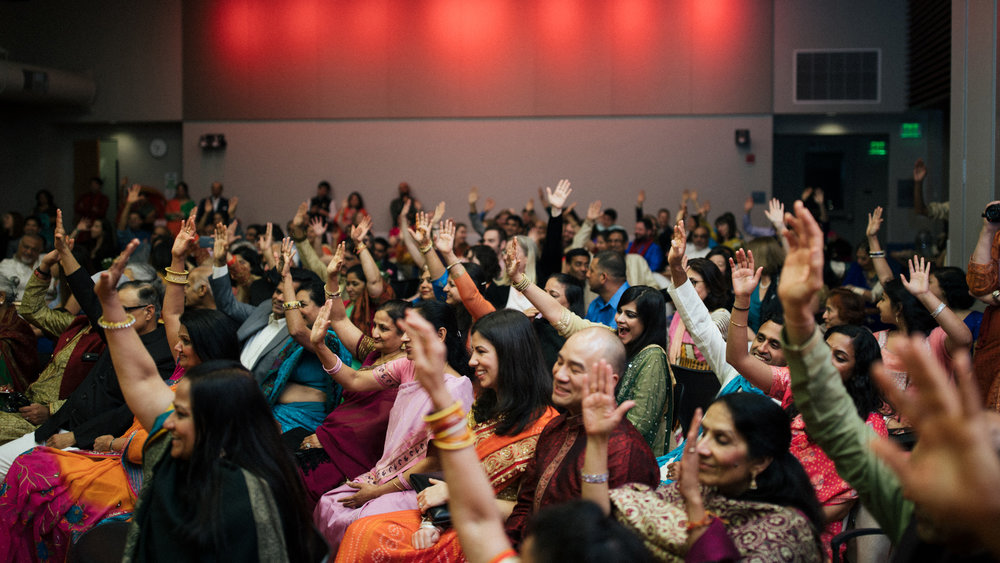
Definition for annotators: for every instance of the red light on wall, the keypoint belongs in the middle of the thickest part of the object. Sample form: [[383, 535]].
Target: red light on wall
[[559, 20], [632, 16], [302, 23], [466, 23]]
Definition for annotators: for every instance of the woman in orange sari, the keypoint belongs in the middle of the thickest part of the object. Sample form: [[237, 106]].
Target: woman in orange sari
[[507, 417]]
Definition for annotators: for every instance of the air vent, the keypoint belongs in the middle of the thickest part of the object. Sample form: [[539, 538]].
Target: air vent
[[843, 76]]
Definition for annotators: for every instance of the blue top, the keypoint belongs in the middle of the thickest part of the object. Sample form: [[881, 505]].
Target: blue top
[[604, 312], [653, 256]]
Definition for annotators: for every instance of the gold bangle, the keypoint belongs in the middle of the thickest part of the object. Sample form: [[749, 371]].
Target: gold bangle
[[289, 305], [169, 271], [435, 416], [398, 483], [108, 325], [471, 440], [175, 278], [452, 265], [734, 323], [426, 249], [330, 294], [523, 284], [359, 246]]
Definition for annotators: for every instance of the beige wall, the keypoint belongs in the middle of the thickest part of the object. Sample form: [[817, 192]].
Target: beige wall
[[273, 166]]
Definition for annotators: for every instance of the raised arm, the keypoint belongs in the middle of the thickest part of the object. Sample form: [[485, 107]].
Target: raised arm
[[547, 305], [552, 249], [879, 260], [348, 334], [422, 236], [349, 378], [918, 284], [297, 327], [145, 392], [919, 175], [176, 279], [582, 235], [474, 302], [477, 521], [131, 198], [745, 279], [372, 273], [601, 415]]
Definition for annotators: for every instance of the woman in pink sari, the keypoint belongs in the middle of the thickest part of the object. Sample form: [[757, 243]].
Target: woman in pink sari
[[385, 488]]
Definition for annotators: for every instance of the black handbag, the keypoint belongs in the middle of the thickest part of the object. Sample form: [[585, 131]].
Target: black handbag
[[12, 401], [440, 516]]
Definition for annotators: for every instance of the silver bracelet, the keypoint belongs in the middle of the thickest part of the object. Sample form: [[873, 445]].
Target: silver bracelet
[[938, 310], [596, 478]]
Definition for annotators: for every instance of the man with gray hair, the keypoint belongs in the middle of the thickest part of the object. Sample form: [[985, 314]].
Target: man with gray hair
[[553, 475], [18, 269]]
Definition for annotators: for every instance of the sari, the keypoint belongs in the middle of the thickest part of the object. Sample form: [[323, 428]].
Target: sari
[[52, 496], [744, 530], [388, 537], [405, 445]]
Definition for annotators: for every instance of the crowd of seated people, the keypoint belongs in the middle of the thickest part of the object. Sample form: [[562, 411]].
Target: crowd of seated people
[[494, 387]]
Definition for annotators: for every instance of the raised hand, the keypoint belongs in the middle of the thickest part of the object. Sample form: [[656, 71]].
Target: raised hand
[[107, 284], [301, 214], [802, 275], [266, 241], [63, 243], [704, 208], [557, 199], [920, 277], [422, 229], [233, 202], [954, 476], [530, 205], [333, 268], [438, 213], [678, 246], [221, 247], [445, 241], [919, 170], [514, 265], [489, 205], [359, 231], [745, 277], [748, 204], [83, 225], [186, 240], [134, 194], [601, 413], [641, 198], [317, 227], [405, 211], [287, 255], [806, 193], [318, 334], [818, 196], [231, 235], [473, 195], [874, 222], [594, 211], [687, 482], [775, 212]]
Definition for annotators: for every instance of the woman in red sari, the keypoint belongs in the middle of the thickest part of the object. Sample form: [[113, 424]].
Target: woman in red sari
[[507, 417]]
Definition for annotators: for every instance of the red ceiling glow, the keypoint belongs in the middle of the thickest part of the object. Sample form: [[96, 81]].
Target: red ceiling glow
[[560, 23], [236, 29], [302, 21], [463, 24]]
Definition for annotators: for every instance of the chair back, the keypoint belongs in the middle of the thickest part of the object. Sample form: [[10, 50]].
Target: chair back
[[700, 388]]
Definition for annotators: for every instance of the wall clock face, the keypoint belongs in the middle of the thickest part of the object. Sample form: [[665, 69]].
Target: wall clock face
[[157, 148]]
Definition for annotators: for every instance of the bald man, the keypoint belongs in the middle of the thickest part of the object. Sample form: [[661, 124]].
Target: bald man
[[553, 475]]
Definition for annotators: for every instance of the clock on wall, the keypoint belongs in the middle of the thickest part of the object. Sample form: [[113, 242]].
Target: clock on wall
[[157, 148]]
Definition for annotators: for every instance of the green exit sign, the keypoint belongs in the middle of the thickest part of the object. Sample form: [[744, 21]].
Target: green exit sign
[[910, 131], [876, 148]]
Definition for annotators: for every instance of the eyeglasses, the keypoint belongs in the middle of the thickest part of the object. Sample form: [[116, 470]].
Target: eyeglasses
[[696, 235], [134, 307]]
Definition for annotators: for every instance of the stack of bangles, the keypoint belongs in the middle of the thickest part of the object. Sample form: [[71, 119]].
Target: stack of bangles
[[709, 516], [175, 277], [335, 369], [876, 254], [523, 284], [426, 249], [108, 325], [450, 427]]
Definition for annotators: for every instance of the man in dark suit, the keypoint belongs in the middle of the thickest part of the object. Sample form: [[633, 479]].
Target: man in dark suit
[[218, 204], [262, 331]]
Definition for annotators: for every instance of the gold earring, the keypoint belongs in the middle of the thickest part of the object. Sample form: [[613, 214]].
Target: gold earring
[[753, 482]]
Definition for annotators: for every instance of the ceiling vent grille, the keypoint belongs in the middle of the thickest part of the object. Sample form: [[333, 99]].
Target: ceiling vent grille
[[842, 76]]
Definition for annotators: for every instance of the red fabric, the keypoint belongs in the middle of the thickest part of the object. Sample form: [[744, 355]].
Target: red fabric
[[553, 475], [713, 545], [18, 349], [76, 368], [92, 206], [830, 488]]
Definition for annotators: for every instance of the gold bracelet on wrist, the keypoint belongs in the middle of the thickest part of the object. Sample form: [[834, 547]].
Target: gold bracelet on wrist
[[108, 325], [289, 305], [175, 278], [359, 246], [175, 272], [436, 416], [734, 323], [523, 284], [330, 294], [426, 249]]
